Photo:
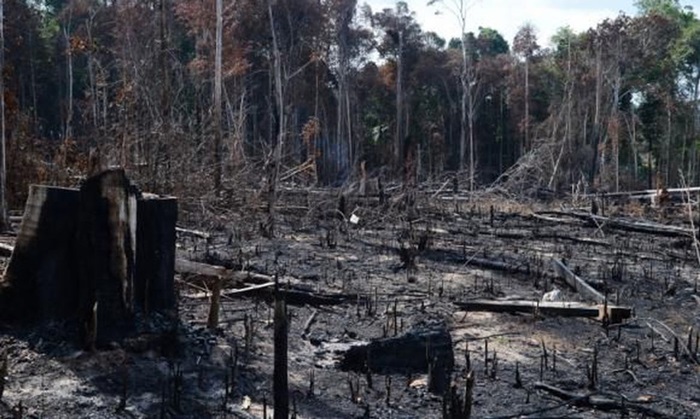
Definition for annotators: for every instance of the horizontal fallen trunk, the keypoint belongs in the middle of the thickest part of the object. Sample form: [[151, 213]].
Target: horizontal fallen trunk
[[615, 314], [647, 227], [646, 193], [578, 284], [193, 233], [427, 349], [453, 256], [601, 402], [185, 266], [190, 267], [301, 297]]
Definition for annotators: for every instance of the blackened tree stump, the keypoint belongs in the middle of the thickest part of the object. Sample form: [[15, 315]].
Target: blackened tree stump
[[97, 256], [39, 281]]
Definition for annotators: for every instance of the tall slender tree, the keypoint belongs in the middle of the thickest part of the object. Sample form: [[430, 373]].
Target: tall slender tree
[[459, 9], [4, 225], [218, 163]]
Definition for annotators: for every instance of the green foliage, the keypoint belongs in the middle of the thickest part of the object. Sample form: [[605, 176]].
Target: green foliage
[[490, 42]]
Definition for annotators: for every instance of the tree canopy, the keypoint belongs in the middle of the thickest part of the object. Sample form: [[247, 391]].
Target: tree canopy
[[615, 106]]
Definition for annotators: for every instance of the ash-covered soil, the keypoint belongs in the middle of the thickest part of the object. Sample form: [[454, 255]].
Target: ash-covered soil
[[646, 367]]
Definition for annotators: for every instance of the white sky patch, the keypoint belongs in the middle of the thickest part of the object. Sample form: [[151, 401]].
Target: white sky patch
[[507, 16]]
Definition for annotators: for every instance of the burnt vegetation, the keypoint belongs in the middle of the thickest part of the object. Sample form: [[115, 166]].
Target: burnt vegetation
[[303, 208]]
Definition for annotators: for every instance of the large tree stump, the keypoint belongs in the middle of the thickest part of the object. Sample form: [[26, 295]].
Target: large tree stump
[[97, 256], [39, 281], [426, 349]]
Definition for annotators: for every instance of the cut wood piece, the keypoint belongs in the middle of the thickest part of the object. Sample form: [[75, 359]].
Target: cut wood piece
[[205, 293], [193, 233], [248, 289], [185, 266], [309, 322], [578, 284], [252, 277], [428, 348], [615, 314]]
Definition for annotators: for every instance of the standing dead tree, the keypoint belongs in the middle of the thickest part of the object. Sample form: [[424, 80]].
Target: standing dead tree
[[3, 170]]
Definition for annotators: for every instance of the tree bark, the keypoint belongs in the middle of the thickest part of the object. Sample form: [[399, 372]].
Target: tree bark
[[277, 156], [217, 100], [281, 376], [4, 223], [107, 243], [398, 141]]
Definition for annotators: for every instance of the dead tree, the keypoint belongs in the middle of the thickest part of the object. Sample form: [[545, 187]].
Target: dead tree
[[280, 385]]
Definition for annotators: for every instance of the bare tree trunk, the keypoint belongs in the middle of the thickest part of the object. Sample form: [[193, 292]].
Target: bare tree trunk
[[463, 114], [280, 373], [667, 179], [165, 102], [279, 90], [472, 95], [91, 71], [68, 130], [616, 131], [526, 141], [472, 145], [4, 224], [217, 99], [398, 142], [596, 118]]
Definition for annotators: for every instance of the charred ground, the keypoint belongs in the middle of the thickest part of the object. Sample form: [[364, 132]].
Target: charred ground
[[406, 265]]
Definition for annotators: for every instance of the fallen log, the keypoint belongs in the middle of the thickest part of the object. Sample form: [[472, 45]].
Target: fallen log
[[193, 233], [190, 267], [300, 297], [308, 323], [615, 314], [186, 266], [248, 289], [645, 193], [601, 401], [424, 349], [454, 256], [578, 284], [647, 227]]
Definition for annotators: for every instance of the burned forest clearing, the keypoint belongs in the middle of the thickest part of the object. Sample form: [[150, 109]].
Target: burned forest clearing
[[403, 305]]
